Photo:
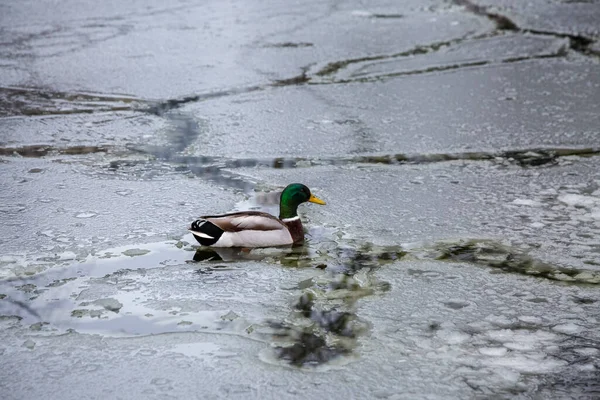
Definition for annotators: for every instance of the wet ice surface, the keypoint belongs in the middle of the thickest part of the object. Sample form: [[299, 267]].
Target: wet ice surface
[[392, 309], [465, 327], [576, 18], [456, 145], [426, 113], [80, 207]]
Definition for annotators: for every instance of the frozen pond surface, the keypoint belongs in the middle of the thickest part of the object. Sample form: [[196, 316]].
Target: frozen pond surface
[[457, 147]]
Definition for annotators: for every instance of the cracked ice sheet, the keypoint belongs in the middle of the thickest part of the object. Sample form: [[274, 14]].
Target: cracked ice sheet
[[146, 48], [484, 50], [570, 17], [159, 52], [361, 34], [115, 130], [509, 106]]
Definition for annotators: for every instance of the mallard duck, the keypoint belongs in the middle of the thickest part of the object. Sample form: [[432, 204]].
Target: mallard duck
[[254, 228]]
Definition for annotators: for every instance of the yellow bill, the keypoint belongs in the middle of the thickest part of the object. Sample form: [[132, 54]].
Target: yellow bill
[[315, 199]]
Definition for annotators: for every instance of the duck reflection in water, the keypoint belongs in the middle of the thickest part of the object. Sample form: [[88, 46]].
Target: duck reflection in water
[[290, 254]]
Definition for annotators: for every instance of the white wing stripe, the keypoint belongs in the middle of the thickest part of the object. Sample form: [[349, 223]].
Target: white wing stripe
[[200, 234]]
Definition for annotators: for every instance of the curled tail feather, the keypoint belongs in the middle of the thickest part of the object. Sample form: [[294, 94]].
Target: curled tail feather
[[205, 232]]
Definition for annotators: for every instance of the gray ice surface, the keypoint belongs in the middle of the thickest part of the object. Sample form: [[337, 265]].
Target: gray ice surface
[[455, 142]]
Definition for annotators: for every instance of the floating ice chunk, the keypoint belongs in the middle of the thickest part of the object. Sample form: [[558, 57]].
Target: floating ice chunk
[[135, 252], [568, 328], [493, 351], [586, 367], [453, 337], [548, 192], [88, 214], [577, 200], [499, 320], [109, 304], [230, 316], [362, 13], [587, 351], [552, 349], [30, 344], [530, 319], [520, 346], [67, 255], [4, 260], [423, 343], [522, 339], [125, 192], [527, 202], [530, 365], [587, 276]]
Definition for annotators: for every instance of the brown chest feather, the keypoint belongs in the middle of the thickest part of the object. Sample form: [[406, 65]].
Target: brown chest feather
[[296, 230]]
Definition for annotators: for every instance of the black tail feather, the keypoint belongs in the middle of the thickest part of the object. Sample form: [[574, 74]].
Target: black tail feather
[[207, 228]]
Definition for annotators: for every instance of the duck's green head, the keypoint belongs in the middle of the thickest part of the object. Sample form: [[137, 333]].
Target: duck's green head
[[294, 195]]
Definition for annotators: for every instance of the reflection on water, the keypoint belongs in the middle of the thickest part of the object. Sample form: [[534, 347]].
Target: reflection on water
[[241, 254], [102, 294], [322, 324], [495, 255]]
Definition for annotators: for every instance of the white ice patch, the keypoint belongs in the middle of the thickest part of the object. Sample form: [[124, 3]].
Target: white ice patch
[[5, 260], [499, 320], [452, 336], [529, 364], [522, 339], [530, 319], [587, 351], [578, 200], [568, 328], [201, 350], [67, 255], [520, 346], [493, 351], [362, 13], [87, 214], [527, 202]]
